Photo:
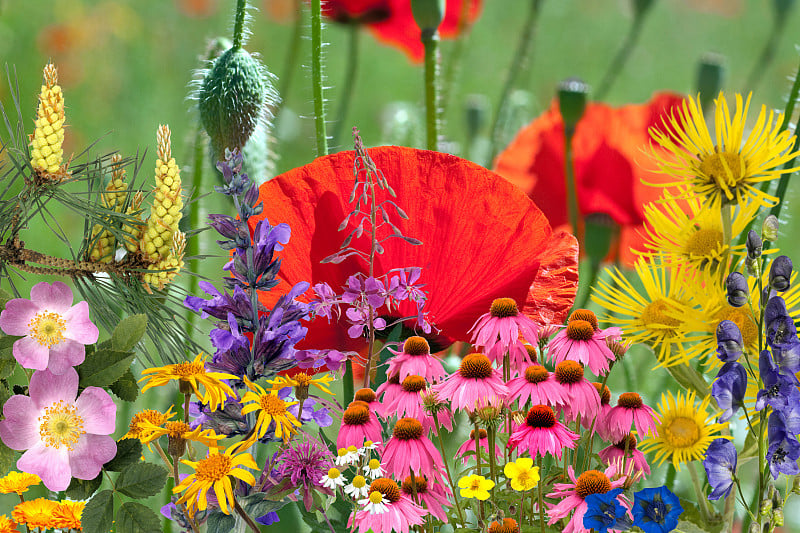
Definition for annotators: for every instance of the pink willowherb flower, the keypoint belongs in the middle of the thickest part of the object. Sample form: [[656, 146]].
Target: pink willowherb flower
[[584, 342], [64, 437], [469, 446], [435, 496], [409, 451], [617, 451], [499, 331], [582, 397], [386, 509], [573, 496], [416, 359], [541, 433], [475, 384], [54, 331], [537, 386], [408, 403], [359, 424], [630, 409]]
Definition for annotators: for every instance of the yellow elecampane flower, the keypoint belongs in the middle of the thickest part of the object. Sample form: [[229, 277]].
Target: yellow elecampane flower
[[522, 473], [189, 375], [301, 380], [270, 408], [475, 486]]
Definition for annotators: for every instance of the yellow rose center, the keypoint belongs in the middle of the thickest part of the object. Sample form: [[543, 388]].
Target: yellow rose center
[[47, 328], [60, 425]]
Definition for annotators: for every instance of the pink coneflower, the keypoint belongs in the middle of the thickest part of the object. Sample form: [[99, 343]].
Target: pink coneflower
[[630, 409], [541, 433], [416, 359], [433, 495], [581, 396], [387, 391], [410, 452], [616, 451], [573, 495], [359, 424], [369, 397], [475, 384], [469, 446], [499, 331], [387, 509], [602, 415], [408, 403], [537, 386], [584, 342]]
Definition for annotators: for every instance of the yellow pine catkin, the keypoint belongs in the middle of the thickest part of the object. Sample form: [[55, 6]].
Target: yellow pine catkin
[[113, 198], [134, 211], [165, 213], [170, 266], [47, 153]]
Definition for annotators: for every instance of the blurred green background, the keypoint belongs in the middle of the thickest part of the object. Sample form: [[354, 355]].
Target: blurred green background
[[126, 66]]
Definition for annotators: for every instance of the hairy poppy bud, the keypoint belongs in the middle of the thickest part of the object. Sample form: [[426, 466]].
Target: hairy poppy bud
[[780, 272], [736, 285]]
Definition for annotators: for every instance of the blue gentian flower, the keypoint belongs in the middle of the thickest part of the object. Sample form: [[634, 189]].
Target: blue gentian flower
[[604, 511], [656, 510], [720, 465]]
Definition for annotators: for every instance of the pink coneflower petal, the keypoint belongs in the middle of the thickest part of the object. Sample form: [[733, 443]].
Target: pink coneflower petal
[[469, 446], [537, 386], [416, 359], [475, 383], [630, 410], [616, 451], [581, 396], [541, 434], [409, 451], [582, 341]]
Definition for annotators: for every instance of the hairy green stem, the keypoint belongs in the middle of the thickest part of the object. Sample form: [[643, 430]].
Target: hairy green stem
[[569, 174], [430, 40], [291, 58], [767, 54], [193, 244], [351, 72], [238, 26], [316, 77]]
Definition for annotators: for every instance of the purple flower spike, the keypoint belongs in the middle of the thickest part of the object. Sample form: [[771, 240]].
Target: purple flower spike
[[720, 465], [783, 450], [729, 341]]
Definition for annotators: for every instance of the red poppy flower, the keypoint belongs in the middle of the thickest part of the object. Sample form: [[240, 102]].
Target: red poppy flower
[[392, 21], [607, 149], [482, 238]]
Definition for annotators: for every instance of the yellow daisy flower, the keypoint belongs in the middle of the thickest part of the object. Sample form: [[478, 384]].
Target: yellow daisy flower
[[189, 375], [270, 407], [475, 486], [36, 513], [685, 430], [18, 482], [148, 418], [7, 525], [214, 472], [67, 515], [182, 430], [302, 381], [729, 168], [522, 473]]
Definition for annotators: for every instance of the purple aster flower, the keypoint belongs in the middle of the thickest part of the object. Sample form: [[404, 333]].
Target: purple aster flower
[[604, 512], [720, 465], [729, 388], [302, 466], [780, 272], [729, 341], [656, 510], [776, 388], [783, 450], [737, 290]]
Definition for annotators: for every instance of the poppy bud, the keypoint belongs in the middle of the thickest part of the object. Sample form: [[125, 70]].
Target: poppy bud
[[428, 14], [754, 245], [769, 229], [710, 73], [729, 341], [736, 285], [780, 272], [572, 94]]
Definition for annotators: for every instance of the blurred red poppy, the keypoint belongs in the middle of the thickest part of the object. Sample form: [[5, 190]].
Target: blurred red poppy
[[392, 22], [482, 239], [607, 150]]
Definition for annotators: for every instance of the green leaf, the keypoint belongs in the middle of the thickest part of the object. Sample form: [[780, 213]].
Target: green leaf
[[126, 387], [685, 526], [257, 505], [8, 459], [103, 367], [691, 515], [133, 517], [82, 489], [129, 451], [219, 522], [690, 379], [129, 332], [7, 361], [141, 480], [4, 298], [98, 515]]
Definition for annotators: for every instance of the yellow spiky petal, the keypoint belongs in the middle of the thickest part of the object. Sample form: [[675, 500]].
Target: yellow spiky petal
[[47, 154]]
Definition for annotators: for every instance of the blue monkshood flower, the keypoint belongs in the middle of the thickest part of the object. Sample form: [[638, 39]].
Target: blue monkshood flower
[[729, 341], [603, 511], [786, 357], [780, 273], [720, 465], [737, 291], [656, 510], [776, 388], [783, 449], [779, 324], [754, 245], [729, 388], [791, 415]]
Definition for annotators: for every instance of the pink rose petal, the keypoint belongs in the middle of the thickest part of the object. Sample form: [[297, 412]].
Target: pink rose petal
[[20, 429], [50, 464], [79, 326], [90, 454], [46, 387], [55, 297], [97, 410], [30, 354], [65, 355], [17, 315]]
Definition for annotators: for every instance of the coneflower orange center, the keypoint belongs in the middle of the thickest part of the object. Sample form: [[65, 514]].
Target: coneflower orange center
[[394, 379], [655, 313], [592, 482], [536, 374], [213, 468], [416, 346], [540, 416], [355, 415], [504, 308], [604, 392], [387, 487], [407, 429], [413, 383], [579, 330], [60, 425], [508, 525], [586, 316], [47, 328], [630, 440], [365, 395], [743, 320], [189, 369], [358, 403], [481, 434], [569, 372], [704, 242], [630, 400], [272, 405], [422, 485], [475, 366], [724, 170]]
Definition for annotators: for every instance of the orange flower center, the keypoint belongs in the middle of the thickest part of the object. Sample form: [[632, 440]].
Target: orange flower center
[[302, 379], [213, 468], [592, 482], [413, 383], [149, 415], [541, 416], [416, 346], [630, 400], [586, 316], [568, 372], [272, 405], [365, 395], [394, 379], [504, 308], [481, 434], [579, 330], [704, 242], [743, 320], [60, 425], [422, 485], [475, 366], [536, 374], [188, 369], [387, 487], [177, 429], [408, 429], [605, 393], [355, 415], [47, 328], [655, 313], [630, 440], [359, 403], [725, 169], [508, 525], [682, 432]]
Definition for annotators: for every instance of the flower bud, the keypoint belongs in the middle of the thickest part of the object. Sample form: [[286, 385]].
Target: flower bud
[[754, 245], [428, 14], [777, 517], [780, 272], [710, 73], [766, 507], [737, 290], [572, 95], [796, 485], [769, 229], [729, 341], [752, 267]]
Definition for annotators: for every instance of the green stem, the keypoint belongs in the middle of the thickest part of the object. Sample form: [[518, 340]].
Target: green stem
[[193, 244], [569, 174], [246, 517], [430, 40], [447, 469], [702, 501], [316, 77], [541, 497], [767, 54], [457, 52], [616, 65], [238, 26], [349, 388], [492, 471], [351, 71], [291, 58]]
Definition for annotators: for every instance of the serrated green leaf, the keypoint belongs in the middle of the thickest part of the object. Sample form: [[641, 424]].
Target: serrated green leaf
[[690, 379], [126, 387], [219, 522], [141, 480], [129, 451], [98, 515], [4, 298], [82, 489], [103, 367], [7, 361], [133, 517], [8, 459], [129, 332], [257, 505], [685, 526], [691, 514]]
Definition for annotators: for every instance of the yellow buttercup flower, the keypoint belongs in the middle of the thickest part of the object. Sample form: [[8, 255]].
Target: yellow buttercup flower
[[7, 525], [522, 473], [189, 375], [214, 472], [47, 153], [729, 168], [142, 422], [18, 482], [36, 513], [270, 408], [301, 380], [67, 515], [475, 486]]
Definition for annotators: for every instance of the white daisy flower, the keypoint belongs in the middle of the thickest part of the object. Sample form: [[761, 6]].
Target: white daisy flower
[[369, 445], [375, 503], [357, 488], [352, 455], [333, 479], [374, 469], [341, 457]]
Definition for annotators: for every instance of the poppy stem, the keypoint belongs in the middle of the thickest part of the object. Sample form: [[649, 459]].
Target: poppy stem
[[430, 40], [351, 71], [316, 77], [291, 59], [569, 173], [616, 65], [456, 54], [238, 25], [193, 244]]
